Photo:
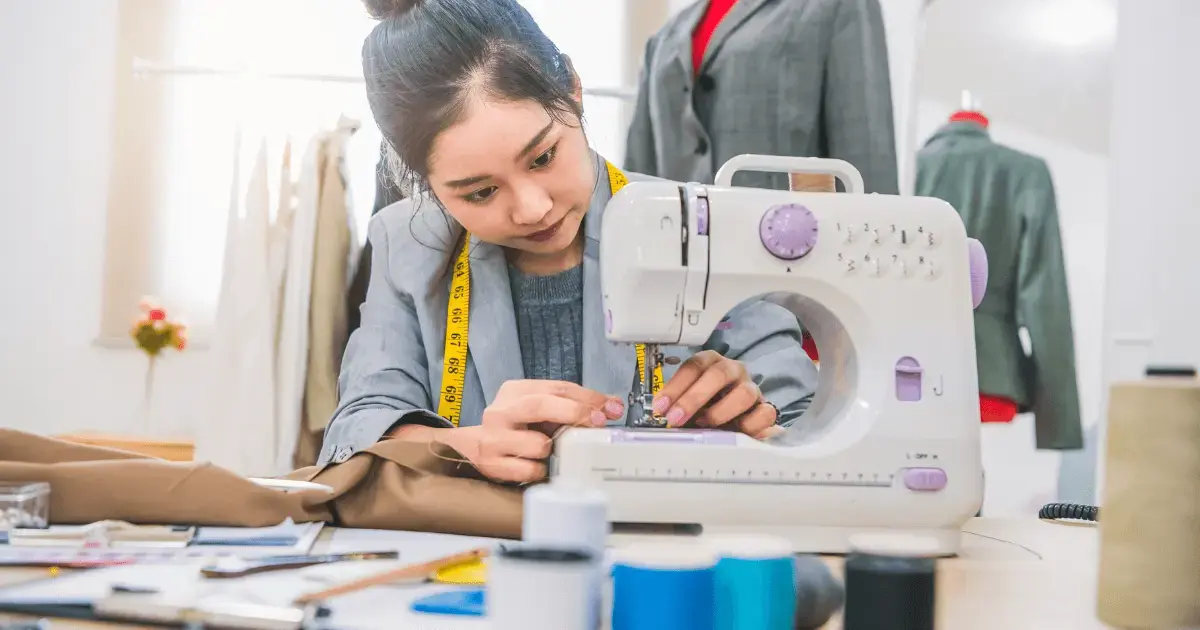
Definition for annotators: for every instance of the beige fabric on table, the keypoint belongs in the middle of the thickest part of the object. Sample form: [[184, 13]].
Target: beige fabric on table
[[391, 485]]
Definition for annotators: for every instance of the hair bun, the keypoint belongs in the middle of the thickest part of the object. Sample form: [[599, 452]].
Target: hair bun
[[384, 9]]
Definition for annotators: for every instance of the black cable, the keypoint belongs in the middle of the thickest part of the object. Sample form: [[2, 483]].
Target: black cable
[[1069, 511]]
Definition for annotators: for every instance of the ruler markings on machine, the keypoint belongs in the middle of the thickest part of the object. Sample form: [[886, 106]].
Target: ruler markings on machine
[[875, 480]]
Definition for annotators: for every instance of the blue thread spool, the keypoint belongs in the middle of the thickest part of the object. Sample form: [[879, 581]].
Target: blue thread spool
[[667, 586], [755, 583]]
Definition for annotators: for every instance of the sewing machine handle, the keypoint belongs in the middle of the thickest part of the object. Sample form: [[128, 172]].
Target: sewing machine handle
[[841, 169]]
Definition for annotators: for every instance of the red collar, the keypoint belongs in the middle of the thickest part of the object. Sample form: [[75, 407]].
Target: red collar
[[965, 116]]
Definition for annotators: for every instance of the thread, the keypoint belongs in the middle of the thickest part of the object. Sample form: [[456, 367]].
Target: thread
[[666, 586], [1150, 534], [755, 583], [891, 583], [540, 587], [567, 515]]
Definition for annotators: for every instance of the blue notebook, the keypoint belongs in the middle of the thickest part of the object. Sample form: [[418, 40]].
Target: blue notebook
[[286, 534]]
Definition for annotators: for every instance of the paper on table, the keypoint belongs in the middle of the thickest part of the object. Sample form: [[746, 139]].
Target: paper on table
[[285, 534]]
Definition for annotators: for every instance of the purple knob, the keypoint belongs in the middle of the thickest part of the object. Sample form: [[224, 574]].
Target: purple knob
[[979, 270], [788, 231]]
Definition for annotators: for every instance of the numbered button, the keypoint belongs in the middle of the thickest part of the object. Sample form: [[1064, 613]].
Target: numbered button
[[849, 265], [874, 265], [930, 239], [930, 268], [901, 266]]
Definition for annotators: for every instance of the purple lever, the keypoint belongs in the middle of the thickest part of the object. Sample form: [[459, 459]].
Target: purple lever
[[979, 270]]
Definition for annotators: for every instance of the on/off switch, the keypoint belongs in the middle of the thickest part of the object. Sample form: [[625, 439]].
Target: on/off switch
[[925, 479]]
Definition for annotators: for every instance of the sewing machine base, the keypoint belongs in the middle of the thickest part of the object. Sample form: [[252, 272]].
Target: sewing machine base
[[805, 539], [723, 482]]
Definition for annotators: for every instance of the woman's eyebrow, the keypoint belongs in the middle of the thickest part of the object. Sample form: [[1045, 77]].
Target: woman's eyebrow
[[467, 181], [537, 139]]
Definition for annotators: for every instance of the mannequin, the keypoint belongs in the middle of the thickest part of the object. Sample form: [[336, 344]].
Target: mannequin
[[1007, 200]]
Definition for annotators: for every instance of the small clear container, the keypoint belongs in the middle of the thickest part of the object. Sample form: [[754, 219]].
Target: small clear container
[[24, 505]]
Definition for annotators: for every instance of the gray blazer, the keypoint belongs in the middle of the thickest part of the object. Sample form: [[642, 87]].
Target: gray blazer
[[392, 369], [1007, 201], [802, 78]]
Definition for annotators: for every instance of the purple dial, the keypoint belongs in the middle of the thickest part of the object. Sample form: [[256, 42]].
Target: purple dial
[[788, 231]]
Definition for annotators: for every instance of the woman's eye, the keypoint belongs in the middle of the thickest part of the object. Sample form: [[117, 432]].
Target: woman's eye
[[544, 160], [482, 195]]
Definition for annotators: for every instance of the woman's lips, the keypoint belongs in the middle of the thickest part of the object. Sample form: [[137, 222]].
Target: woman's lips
[[545, 234]]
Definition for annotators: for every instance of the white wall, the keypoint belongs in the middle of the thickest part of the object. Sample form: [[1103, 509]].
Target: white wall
[[56, 65], [1021, 479]]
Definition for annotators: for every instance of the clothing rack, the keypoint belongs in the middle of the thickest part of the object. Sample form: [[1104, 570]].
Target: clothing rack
[[144, 68]]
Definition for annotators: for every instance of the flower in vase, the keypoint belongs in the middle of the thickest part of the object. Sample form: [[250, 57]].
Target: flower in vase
[[153, 332]]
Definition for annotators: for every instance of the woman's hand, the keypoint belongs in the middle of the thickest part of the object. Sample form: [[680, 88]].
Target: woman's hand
[[710, 390], [508, 446]]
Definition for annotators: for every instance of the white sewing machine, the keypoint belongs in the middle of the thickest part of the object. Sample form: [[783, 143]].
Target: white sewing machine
[[886, 285]]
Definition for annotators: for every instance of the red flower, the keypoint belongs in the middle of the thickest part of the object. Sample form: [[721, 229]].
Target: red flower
[[157, 314]]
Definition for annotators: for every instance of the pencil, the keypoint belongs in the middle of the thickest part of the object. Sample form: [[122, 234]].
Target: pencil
[[394, 575]]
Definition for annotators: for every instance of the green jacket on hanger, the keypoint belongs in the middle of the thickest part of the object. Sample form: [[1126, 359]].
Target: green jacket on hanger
[[1007, 200]]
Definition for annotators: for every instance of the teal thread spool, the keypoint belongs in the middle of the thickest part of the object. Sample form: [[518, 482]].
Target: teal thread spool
[[755, 583]]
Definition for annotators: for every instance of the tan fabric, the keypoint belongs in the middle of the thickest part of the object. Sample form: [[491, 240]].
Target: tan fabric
[[332, 249], [813, 182], [392, 485], [308, 447]]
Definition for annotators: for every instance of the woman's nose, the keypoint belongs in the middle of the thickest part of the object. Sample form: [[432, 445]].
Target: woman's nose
[[533, 204]]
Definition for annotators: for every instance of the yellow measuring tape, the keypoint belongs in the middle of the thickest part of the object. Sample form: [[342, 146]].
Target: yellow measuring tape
[[458, 313]]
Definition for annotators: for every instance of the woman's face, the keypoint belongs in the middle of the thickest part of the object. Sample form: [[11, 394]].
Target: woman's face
[[514, 176]]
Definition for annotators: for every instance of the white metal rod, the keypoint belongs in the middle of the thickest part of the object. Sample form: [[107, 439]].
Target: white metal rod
[[142, 67]]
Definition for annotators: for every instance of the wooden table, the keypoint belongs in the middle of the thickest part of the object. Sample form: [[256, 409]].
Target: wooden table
[[1011, 575]]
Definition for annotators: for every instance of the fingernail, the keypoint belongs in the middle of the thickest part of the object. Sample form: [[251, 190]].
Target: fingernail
[[598, 418], [675, 417], [614, 407], [661, 404]]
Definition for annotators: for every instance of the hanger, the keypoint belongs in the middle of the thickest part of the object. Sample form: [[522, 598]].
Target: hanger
[[970, 111]]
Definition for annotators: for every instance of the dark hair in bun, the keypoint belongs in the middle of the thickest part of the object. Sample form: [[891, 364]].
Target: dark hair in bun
[[426, 58], [384, 9]]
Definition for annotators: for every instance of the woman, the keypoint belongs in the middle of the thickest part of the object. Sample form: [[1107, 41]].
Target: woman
[[484, 113]]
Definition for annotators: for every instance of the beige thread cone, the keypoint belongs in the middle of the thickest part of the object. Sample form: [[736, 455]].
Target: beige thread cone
[[1150, 514]]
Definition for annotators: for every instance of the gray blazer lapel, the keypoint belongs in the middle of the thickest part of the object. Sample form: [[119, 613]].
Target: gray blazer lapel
[[742, 9], [680, 42], [493, 343]]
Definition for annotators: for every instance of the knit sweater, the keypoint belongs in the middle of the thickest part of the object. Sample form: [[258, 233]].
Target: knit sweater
[[549, 312]]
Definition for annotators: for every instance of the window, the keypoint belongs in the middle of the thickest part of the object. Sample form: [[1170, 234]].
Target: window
[[177, 119]]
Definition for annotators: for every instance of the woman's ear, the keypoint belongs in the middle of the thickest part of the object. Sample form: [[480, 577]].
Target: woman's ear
[[576, 84]]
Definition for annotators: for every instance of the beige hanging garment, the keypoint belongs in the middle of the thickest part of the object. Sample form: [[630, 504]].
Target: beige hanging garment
[[332, 251]]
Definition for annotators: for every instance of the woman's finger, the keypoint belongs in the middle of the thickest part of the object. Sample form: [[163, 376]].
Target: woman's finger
[[760, 422], [521, 443], [514, 469], [688, 373], [737, 400], [716, 378], [610, 406]]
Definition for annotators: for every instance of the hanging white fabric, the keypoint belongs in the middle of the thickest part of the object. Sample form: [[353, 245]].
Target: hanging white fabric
[[322, 241], [292, 358], [242, 436]]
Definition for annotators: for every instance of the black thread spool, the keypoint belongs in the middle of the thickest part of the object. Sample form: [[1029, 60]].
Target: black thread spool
[[891, 584]]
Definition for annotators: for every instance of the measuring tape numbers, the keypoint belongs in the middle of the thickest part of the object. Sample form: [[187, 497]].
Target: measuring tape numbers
[[458, 315]]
